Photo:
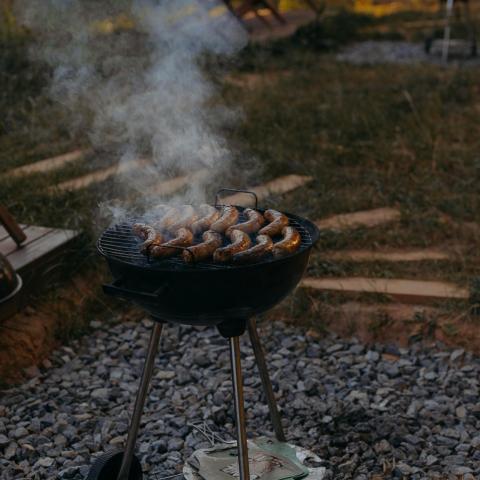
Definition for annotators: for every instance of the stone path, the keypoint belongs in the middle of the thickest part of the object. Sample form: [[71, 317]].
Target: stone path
[[374, 52], [99, 176], [394, 413], [363, 219], [49, 164], [409, 291], [390, 255]]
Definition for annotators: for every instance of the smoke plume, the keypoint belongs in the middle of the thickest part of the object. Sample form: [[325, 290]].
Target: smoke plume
[[130, 74]]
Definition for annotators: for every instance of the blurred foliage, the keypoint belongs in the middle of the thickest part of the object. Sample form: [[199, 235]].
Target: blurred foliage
[[327, 33], [331, 31], [388, 7]]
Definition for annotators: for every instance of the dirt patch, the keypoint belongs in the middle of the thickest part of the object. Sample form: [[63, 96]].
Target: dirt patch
[[28, 338], [398, 324]]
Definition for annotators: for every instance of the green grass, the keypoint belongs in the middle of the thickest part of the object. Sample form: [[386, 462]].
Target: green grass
[[404, 136]]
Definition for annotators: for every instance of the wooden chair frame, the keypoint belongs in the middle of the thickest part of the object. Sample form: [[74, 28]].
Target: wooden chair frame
[[11, 226]]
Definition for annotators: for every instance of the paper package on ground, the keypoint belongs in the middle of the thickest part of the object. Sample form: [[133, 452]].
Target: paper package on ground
[[268, 460]]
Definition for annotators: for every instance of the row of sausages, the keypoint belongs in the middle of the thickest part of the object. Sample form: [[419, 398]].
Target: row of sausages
[[183, 223]]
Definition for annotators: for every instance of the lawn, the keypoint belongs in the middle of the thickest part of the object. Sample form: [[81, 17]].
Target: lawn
[[371, 136]]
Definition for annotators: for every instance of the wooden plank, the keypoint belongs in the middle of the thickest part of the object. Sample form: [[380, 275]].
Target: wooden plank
[[98, 176], [277, 186], [39, 260], [167, 187], [24, 258], [32, 233], [3, 233], [11, 226], [48, 164], [364, 218], [408, 291], [412, 255]]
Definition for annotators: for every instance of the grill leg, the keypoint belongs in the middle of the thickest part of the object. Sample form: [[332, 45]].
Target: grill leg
[[237, 382], [266, 382], [140, 401]]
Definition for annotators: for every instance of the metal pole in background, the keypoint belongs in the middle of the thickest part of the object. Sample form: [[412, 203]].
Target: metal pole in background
[[237, 382], [266, 382], [446, 37], [140, 401]]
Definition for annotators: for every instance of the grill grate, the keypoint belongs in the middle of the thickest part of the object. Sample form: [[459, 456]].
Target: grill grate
[[120, 243]]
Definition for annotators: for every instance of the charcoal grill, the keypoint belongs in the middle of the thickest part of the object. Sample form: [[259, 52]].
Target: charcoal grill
[[204, 293]]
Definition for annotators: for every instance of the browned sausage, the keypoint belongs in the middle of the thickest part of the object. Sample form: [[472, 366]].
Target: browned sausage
[[289, 244], [169, 218], [158, 210], [254, 222], [209, 215], [185, 217], [148, 234], [263, 246], [240, 241], [184, 238], [277, 222], [201, 251], [229, 217]]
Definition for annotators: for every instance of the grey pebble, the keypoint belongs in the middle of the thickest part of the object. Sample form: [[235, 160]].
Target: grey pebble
[[3, 440], [356, 410]]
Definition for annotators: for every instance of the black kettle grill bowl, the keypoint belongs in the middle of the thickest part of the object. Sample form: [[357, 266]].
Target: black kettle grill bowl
[[206, 293]]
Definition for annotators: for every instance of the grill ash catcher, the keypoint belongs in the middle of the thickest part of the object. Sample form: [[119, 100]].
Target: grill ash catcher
[[205, 293]]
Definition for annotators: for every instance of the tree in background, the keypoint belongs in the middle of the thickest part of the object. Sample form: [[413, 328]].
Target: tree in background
[[7, 19]]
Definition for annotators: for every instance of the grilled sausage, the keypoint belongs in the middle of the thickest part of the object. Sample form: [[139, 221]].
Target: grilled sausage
[[228, 217], [184, 238], [263, 246], [168, 219], [209, 215], [185, 217], [148, 234], [289, 244], [202, 251], [277, 222], [159, 210], [254, 222], [240, 241]]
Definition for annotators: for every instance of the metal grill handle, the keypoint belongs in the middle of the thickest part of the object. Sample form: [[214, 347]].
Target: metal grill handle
[[235, 190], [115, 289]]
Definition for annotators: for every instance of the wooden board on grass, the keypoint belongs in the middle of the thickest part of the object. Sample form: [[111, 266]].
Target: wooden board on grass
[[398, 255], [408, 291], [39, 257], [362, 219], [47, 165], [98, 176], [277, 186]]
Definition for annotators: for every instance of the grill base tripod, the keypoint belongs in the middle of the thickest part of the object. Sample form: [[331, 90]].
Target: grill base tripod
[[124, 465]]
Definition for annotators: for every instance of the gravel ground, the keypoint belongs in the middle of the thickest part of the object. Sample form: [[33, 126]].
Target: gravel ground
[[381, 52], [409, 413]]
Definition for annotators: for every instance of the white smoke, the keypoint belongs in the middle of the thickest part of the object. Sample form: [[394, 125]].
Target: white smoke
[[140, 91]]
